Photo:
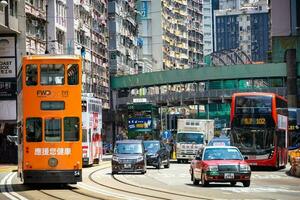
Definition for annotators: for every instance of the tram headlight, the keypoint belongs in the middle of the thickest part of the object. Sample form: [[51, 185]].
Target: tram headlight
[[52, 162]]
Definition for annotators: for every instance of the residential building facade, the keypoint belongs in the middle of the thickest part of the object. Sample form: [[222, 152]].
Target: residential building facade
[[246, 29], [123, 32], [12, 48], [207, 27]]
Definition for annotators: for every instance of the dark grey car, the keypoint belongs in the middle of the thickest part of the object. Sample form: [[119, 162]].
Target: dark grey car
[[129, 156], [157, 154]]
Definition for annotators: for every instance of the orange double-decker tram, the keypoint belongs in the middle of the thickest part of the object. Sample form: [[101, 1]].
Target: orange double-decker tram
[[49, 119]]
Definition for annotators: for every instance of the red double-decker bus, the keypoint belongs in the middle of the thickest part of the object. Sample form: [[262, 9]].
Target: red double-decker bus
[[259, 124]]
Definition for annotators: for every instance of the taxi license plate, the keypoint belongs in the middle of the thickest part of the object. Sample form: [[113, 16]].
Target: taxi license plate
[[127, 165], [229, 176]]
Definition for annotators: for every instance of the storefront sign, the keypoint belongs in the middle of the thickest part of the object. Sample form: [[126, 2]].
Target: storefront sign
[[7, 47], [7, 68], [8, 89]]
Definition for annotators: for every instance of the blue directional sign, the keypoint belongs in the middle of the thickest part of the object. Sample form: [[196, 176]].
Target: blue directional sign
[[166, 134]]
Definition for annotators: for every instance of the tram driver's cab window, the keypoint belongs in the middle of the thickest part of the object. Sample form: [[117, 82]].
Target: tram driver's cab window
[[53, 130], [31, 75], [33, 129], [52, 74]]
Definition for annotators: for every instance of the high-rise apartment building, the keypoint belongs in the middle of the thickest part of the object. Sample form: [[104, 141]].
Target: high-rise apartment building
[[35, 11], [123, 31], [246, 28], [207, 27], [182, 33], [195, 33]]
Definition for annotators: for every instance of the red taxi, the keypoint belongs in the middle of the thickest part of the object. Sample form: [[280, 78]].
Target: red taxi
[[220, 164]]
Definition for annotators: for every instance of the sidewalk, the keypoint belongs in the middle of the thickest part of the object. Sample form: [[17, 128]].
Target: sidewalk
[[8, 167]]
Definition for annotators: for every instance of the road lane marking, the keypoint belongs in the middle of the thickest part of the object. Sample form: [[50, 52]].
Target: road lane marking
[[10, 189], [257, 189], [105, 192], [7, 190]]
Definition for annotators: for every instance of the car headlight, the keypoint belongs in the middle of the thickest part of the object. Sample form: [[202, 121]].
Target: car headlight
[[140, 158], [212, 168], [115, 158], [245, 168], [154, 156]]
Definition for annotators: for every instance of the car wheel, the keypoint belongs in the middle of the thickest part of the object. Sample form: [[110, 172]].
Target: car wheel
[[158, 164], [204, 183], [113, 172], [195, 181], [143, 172], [168, 163], [178, 161], [233, 183], [246, 183]]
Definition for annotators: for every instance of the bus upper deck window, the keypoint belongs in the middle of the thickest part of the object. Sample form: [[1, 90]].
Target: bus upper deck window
[[31, 74], [52, 74], [33, 129], [73, 75]]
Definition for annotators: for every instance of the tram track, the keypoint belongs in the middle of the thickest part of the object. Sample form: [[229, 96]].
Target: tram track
[[169, 194]]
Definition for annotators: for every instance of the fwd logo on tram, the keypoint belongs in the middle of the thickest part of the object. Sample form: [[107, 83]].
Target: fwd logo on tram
[[42, 93]]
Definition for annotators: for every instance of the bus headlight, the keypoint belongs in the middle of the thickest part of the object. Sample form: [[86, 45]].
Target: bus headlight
[[52, 162]]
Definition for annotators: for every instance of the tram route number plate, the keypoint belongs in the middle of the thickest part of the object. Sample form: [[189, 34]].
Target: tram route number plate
[[127, 165], [229, 176]]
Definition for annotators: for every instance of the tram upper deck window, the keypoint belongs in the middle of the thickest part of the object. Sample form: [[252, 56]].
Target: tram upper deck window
[[71, 127], [31, 74], [73, 75], [52, 74], [53, 130], [33, 129]]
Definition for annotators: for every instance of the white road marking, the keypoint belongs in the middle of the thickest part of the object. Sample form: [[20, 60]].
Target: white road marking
[[7, 189], [257, 189], [105, 192]]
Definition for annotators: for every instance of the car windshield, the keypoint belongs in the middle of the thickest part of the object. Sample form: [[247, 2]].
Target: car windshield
[[151, 146], [190, 138], [222, 154], [224, 142], [128, 148]]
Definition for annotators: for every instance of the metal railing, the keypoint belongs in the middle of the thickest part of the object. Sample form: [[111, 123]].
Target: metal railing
[[194, 97]]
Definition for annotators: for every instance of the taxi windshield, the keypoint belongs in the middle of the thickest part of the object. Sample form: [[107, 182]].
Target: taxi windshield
[[222, 154]]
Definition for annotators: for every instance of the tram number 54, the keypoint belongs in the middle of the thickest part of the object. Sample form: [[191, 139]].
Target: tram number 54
[[76, 173]]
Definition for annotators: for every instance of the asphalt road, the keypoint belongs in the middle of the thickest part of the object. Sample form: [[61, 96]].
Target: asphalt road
[[172, 183]]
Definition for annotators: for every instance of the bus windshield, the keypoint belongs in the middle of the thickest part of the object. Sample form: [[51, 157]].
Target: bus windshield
[[254, 141], [190, 138], [253, 104]]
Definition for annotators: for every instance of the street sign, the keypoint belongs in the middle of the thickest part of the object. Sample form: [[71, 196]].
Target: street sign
[[166, 134]]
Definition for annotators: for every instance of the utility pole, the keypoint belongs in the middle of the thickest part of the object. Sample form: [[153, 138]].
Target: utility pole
[[46, 29]]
